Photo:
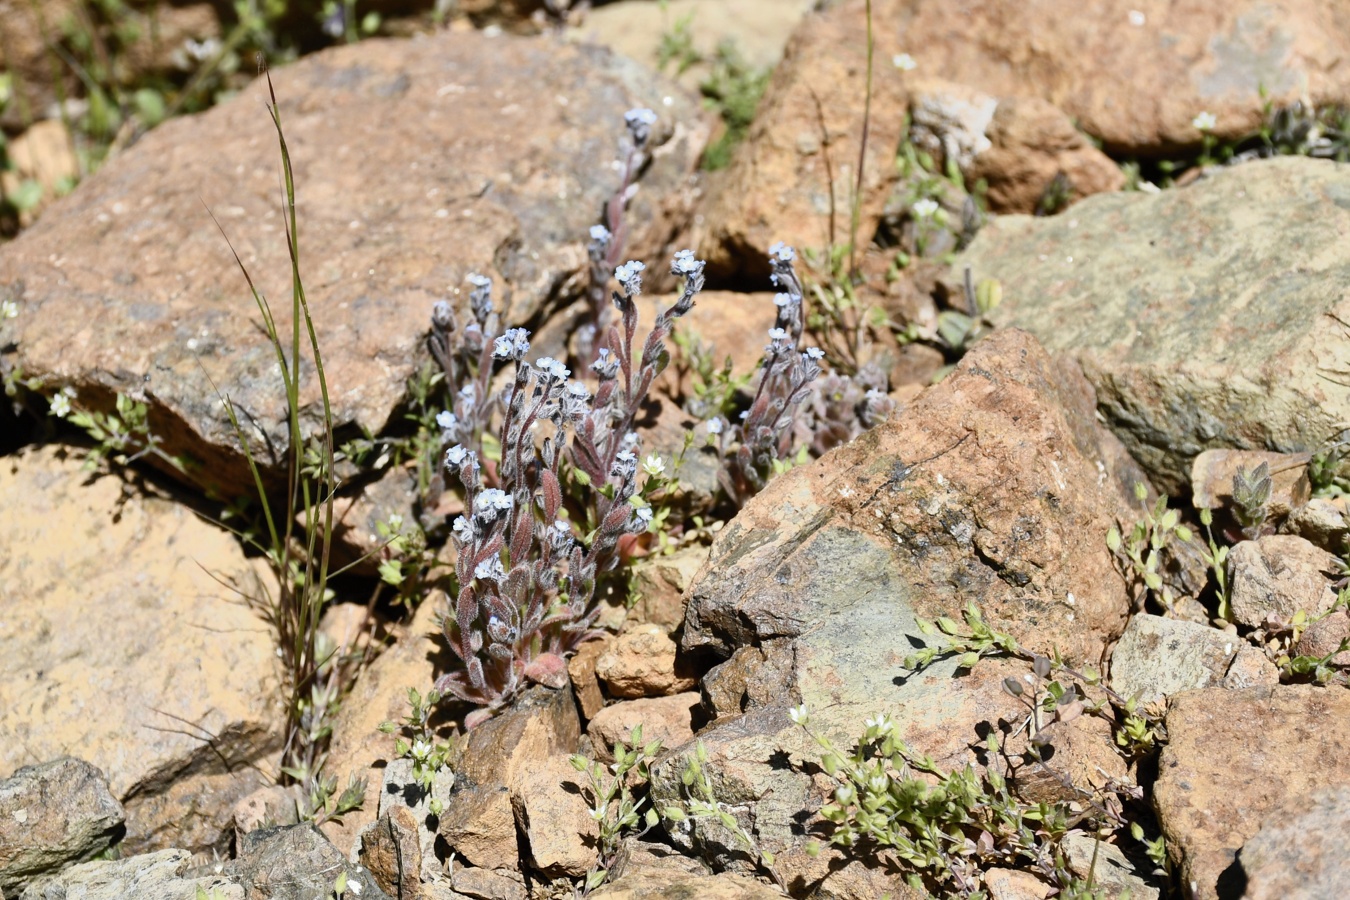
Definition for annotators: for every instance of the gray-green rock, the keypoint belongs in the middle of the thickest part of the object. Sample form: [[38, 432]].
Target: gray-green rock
[[1208, 316]]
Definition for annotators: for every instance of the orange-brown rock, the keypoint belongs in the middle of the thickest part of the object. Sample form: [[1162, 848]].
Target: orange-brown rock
[[665, 719]]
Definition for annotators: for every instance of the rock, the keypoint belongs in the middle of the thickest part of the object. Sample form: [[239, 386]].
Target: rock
[[1183, 361], [1157, 658], [1075, 756], [637, 855], [553, 813], [1111, 872], [480, 826], [988, 490], [753, 677], [540, 724], [1297, 854], [392, 852], [793, 177], [1010, 884], [478, 884], [1323, 522], [1277, 576], [358, 748], [52, 815], [400, 790], [1135, 81], [642, 663], [664, 719], [1213, 471], [163, 875], [659, 583], [1280, 746], [1250, 668], [295, 862], [417, 163], [86, 649], [665, 885], [267, 807], [581, 669], [758, 29], [1018, 146], [1323, 638]]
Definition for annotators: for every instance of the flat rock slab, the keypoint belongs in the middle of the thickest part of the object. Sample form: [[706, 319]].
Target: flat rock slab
[[1234, 758], [1209, 316], [417, 162], [1297, 854], [123, 642]]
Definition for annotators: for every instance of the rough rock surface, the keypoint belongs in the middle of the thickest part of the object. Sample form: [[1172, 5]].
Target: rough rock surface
[[643, 663], [1112, 873], [163, 875], [1297, 854], [152, 669], [295, 862], [417, 163], [997, 488], [1280, 746], [1213, 471], [553, 813], [52, 815], [642, 884], [1204, 317], [380, 694], [1017, 146], [1278, 575], [664, 719], [1132, 76], [1158, 657]]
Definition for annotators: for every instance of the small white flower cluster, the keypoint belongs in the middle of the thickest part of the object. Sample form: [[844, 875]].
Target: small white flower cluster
[[630, 276], [904, 62], [513, 344], [781, 252], [654, 465], [926, 208], [60, 404], [552, 369], [9, 310], [1205, 121]]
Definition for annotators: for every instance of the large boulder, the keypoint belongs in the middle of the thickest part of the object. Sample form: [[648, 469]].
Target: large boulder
[[125, 642], [1208, 316], [417, 162], [1132, 78], [1281, 746], [996, 487]]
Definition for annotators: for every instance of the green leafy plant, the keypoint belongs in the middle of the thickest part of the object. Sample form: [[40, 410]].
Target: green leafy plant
[[617, 796], [1141, 551], [417, 741], [732, 89]]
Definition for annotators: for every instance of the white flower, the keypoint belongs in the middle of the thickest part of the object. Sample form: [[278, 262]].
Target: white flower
[[685, 264], [456, 455], [477, 280], [513, 344], [814, 353], [781, 300], [420, 749], [798, 714], [60, 406], [600, 234], [494, 499], [490, 569], [625, 456], [1205, 121], [654, 465], [555, 370], [629, 275], [644, 514], [578, 390], [882, 723], [447, 420], [395, 523], [904, 62], [781, 252], [9, 310], [925, 208], [461, 528], [777, 334], [715, 425]]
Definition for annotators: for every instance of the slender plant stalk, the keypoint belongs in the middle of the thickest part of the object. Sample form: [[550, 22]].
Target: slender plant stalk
[[856, 217]]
